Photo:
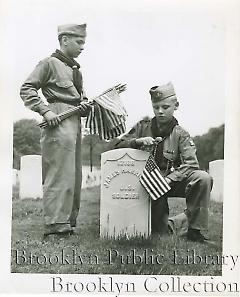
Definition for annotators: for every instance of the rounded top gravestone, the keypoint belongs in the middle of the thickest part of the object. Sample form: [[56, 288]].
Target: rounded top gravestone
[[216, 170], [124, 204], [31, 177]]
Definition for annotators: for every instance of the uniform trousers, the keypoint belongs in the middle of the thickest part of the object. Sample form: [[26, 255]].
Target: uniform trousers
[[196, 188], [61, 171]]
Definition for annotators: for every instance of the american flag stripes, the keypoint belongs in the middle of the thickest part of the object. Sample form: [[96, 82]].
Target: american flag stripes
[[111, 101], [153, 181], [108, 116]]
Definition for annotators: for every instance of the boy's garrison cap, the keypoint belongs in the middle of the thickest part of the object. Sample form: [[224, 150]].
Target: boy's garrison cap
[[72, 29], [159, 93]]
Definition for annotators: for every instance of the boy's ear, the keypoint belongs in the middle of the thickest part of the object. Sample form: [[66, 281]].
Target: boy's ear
[[176, 105], [64, 39]]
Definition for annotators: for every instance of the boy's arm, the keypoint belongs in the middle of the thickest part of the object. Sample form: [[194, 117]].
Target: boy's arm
[[188, 158], [29, 90], [136, 138], [128, 140]]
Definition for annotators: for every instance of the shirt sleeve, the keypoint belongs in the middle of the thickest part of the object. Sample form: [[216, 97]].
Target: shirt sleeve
[[29, 89], [189, 162], [129, 139]]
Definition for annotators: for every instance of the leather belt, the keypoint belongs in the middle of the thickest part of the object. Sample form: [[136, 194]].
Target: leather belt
[[70, 102]]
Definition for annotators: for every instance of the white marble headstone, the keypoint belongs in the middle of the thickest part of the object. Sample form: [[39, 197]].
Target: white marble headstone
[[125, 205], [15, 177], [216, 169], [30, 177]]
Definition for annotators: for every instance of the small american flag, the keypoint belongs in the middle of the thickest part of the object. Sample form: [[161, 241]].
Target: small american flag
[[153, 181], [108, 116], [112, 102]]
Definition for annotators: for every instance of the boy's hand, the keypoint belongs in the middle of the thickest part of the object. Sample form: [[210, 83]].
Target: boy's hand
[[84, 109], [145, 141], [52, 118], [168, 180]]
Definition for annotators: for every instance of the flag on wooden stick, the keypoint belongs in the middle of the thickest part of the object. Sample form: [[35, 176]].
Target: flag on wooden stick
[[153, 181]]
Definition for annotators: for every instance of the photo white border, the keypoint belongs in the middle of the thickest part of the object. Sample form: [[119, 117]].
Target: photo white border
[[41, 283]]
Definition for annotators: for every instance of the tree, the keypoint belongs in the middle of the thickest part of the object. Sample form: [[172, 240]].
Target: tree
[[92, 147], [26, 140], [210, 146]]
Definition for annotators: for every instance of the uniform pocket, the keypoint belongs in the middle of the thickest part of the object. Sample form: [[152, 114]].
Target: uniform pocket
[[64, 84]]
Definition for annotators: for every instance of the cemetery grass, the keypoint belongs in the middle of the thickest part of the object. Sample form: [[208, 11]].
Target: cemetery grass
[[27, 238]]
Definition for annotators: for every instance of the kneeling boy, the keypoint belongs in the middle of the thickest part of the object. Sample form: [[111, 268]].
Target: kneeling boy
[[175, 155]]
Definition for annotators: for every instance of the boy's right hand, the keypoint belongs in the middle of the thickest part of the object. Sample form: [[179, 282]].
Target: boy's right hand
[[145, 141], [52, 118], [84, 109]]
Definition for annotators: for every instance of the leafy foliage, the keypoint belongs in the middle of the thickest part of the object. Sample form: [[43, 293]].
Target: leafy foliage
[[92, 147], [26, 140], [210, 146]]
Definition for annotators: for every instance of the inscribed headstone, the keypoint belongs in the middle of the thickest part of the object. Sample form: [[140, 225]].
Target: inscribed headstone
[[125, 205], [15, 177]]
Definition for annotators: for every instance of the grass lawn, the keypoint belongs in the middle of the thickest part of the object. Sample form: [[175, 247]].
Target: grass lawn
[[85, 252]]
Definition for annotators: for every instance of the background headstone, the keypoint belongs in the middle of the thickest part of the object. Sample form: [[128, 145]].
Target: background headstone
[[124, 206], [15, 177], [216, 169], [30, 177], [90, 178]]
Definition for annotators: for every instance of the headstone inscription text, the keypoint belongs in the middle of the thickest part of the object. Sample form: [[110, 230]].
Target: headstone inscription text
[[124, 205]]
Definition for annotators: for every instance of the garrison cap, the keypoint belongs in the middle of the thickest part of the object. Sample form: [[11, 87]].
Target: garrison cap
[[72, 29], [159, 93]]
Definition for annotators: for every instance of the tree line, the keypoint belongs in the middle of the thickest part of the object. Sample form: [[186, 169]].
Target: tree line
[[26, 141]]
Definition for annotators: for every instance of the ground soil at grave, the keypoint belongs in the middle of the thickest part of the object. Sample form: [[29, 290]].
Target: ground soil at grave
[[84, 252]]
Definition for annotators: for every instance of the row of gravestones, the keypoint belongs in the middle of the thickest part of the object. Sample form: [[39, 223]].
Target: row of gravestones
[[30, 177], [125, 205]]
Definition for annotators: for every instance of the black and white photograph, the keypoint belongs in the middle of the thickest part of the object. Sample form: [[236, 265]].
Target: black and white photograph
[[120, 156]]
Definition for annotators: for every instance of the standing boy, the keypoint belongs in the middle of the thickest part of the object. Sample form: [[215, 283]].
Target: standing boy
[[60, 80], [175, 155]]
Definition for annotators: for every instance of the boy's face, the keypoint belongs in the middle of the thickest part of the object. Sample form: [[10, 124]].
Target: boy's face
[[164, 109], [74, 46]]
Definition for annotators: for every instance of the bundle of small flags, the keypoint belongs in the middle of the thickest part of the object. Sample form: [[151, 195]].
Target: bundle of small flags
[[152, 180], [108, 116]]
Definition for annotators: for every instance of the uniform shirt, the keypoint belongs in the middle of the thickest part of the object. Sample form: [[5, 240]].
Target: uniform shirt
[[55, 78], [178, 148]]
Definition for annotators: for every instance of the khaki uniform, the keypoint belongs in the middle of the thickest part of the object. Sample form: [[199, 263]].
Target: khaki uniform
[[61, 145], [183, 169]]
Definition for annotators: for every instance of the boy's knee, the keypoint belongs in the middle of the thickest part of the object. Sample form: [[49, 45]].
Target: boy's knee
[[203, 178]]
